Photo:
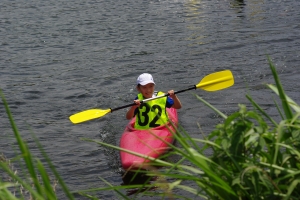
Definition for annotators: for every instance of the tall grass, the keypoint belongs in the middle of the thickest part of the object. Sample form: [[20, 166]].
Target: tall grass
[[253, 157], [35, 184]]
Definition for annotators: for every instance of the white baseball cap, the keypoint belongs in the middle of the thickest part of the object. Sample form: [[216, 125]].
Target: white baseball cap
[[144, 79]]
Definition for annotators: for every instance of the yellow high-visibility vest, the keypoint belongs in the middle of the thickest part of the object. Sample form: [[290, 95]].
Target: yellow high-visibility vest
[[152, 113]]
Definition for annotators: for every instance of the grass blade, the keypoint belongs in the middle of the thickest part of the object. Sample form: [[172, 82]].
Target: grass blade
[[23, 147], [285, 105]]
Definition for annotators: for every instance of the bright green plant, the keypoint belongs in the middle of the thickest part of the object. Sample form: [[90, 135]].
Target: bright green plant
[[262, 161]]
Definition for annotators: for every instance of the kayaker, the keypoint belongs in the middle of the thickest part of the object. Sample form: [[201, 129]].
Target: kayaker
[[152, 113]]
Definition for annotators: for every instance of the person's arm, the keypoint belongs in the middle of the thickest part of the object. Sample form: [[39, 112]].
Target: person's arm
[[130, 112], [177, 103]]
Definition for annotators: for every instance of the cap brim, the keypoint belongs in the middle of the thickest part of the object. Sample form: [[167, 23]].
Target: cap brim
[[146, 82]]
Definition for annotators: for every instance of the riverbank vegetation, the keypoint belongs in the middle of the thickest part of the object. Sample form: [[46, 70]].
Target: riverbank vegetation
[[252, 156]]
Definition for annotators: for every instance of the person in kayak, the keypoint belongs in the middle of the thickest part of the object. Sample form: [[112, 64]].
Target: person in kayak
[[152, 113]]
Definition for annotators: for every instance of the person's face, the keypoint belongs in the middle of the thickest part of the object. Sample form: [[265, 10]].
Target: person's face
[[146, 90]]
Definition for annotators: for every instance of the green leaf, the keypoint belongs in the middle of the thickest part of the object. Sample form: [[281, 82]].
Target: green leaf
[[292, 103], [284, 101]]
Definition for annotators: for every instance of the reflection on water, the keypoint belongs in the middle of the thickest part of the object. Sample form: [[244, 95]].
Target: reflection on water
[[139, 178], [238, 6], [256, 11], [237, 3], [195, 19]]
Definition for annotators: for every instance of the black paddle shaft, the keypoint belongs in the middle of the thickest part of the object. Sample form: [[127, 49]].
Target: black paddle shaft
[[191, 88], [145, 100]]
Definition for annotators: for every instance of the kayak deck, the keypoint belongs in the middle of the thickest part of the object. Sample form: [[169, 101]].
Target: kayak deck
[[153, 142]]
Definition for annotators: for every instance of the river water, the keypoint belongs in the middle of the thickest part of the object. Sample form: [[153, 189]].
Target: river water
[[61, 57]]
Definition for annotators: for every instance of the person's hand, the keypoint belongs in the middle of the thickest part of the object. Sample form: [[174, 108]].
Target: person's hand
[[137, 103], [130, 112], [171, 93]]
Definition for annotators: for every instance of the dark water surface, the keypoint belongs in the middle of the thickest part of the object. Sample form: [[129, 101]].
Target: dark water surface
[[61, 57]]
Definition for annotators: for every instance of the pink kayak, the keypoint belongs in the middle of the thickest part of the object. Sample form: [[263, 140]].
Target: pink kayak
[[153, 142]]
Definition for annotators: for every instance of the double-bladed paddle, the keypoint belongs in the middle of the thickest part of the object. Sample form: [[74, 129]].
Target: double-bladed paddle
[[212, 82]]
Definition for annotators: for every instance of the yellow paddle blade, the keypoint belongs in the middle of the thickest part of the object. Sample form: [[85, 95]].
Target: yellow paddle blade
[[216, 81], [88, 115]]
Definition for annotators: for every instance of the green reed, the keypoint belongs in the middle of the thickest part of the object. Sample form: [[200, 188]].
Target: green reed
[[35, 184]]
